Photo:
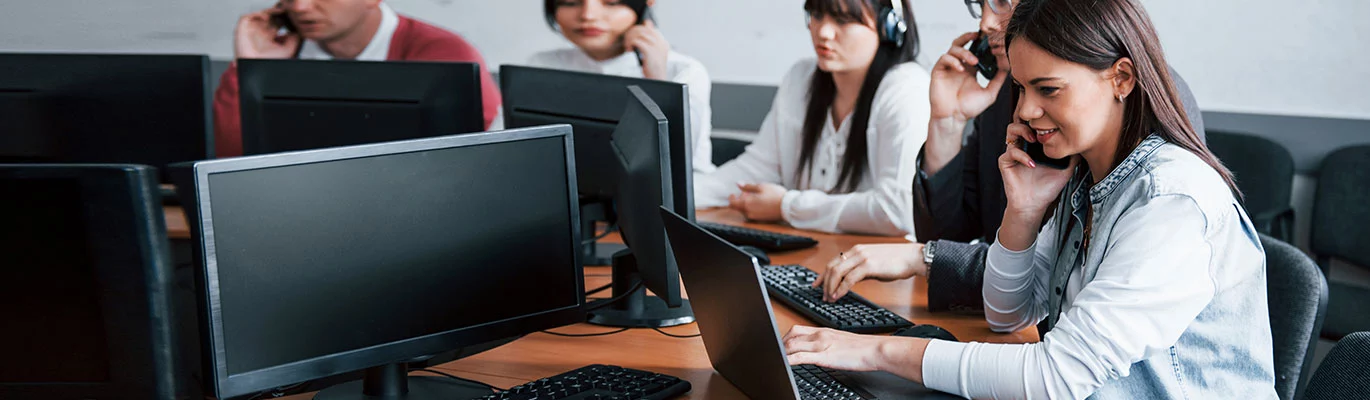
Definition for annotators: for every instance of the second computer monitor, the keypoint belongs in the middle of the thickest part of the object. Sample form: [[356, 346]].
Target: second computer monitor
[[290, 105], [592, 104], [321, 262], [104, 108]]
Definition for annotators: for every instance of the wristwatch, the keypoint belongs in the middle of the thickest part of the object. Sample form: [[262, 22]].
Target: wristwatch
[[927, 253]]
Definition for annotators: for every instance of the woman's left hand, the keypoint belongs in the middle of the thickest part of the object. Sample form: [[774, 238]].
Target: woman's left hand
[[759, 201], [652, 46], [902, 356]]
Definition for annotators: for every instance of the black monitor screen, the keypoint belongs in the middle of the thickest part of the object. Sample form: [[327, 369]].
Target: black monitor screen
[[49, 297], [329, 257]]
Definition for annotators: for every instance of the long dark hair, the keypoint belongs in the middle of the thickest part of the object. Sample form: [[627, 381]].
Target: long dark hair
[[1097, 33], [822, 89]]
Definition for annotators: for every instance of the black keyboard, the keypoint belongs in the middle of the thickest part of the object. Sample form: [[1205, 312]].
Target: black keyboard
[[818, 383], [599, 382], [764, 240], [852, 313]]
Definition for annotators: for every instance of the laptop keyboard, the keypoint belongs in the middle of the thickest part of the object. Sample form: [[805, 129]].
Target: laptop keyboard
[[790, 284], [818, 383]]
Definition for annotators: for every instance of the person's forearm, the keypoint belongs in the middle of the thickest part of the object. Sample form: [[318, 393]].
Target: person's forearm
[[1019, 228], [902, 356], [943, 143]]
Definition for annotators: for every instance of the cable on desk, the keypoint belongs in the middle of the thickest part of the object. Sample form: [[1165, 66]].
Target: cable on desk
[[612, 300], [606, 233], [277, 391], [599, 289], [586, 334], [658, 330], [458, 378]]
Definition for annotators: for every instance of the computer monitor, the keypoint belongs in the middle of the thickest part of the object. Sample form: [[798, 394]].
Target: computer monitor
[[641, 153], [290, 105], [322, 262], [104, 108], [86, 286], [592, 104]]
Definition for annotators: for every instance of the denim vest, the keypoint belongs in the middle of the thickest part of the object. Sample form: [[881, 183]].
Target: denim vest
[[1226, 351]]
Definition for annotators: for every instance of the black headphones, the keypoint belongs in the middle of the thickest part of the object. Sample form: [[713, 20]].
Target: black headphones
[[891, 24]]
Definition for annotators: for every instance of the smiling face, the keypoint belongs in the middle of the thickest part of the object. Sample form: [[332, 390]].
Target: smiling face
[[1072, 108], [595, 26]]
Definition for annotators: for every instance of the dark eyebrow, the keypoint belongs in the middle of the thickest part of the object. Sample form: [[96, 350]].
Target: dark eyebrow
[[1034, 82]]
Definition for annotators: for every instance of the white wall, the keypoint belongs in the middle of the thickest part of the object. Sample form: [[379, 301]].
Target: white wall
[[1285, 57]]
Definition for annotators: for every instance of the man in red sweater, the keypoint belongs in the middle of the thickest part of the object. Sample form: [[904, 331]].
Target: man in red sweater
[[365, 30]]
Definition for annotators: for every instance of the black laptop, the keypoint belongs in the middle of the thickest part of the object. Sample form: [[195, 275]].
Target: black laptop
[[739, 332]]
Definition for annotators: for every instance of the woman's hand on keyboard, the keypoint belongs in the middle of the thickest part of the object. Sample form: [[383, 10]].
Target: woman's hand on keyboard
[[883, 262], [830, 348]]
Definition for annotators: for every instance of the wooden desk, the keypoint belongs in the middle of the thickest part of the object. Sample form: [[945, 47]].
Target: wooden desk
[[540, 355]]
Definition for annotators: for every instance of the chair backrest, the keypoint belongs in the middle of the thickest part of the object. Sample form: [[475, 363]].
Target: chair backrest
[[1263, 169], [1297, 296], [725, 149], [1345, 373], [1341, 217]]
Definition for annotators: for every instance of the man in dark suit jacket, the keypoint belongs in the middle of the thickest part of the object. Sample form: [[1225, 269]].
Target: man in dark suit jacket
[[958, 194]]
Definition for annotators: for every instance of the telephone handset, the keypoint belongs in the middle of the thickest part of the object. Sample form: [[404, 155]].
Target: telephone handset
[[643, 13], [1039, 156], [988, 65], [282, 21]]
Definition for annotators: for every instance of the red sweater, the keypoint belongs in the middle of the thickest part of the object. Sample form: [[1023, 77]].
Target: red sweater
[[413, 41]]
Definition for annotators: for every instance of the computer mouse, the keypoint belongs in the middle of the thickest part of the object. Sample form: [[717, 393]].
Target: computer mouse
[[927, 332], [760, 255]]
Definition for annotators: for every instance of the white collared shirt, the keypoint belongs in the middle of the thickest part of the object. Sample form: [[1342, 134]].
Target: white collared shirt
[[679, 67], [377, 50], [882, 203]]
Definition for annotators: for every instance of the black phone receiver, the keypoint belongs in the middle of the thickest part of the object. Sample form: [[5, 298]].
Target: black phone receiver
[[643, 13], [282, 21], [988, 65], [1039, 156]]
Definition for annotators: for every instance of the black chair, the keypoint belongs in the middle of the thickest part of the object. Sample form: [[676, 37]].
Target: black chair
[[727, 149], [1341, 232], [1345, 373], [1297, 295], [1264, 171]]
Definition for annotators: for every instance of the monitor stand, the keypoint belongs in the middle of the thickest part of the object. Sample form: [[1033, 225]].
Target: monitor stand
[[591, 213], [392, 382], [637, 309]]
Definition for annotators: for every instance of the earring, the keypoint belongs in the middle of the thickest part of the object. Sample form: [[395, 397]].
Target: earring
[[1120, 98]]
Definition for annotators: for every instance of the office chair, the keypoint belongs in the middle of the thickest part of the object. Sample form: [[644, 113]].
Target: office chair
[[1297, 296], [1264, 171], [1345, 373], [1341, 231]]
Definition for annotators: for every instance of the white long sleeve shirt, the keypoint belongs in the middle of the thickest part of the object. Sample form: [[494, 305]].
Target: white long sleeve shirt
[[882, 202], [679, 67]]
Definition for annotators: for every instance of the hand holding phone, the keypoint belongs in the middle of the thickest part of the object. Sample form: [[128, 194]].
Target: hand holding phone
[[988, 65], [1039, 156], [260, 35]]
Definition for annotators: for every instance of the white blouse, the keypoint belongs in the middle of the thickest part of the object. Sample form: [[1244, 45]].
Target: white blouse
[[883, 201], [680, 68]]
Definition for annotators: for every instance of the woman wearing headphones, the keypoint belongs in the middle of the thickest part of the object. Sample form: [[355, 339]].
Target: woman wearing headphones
[[836, 153], [619, 37]]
